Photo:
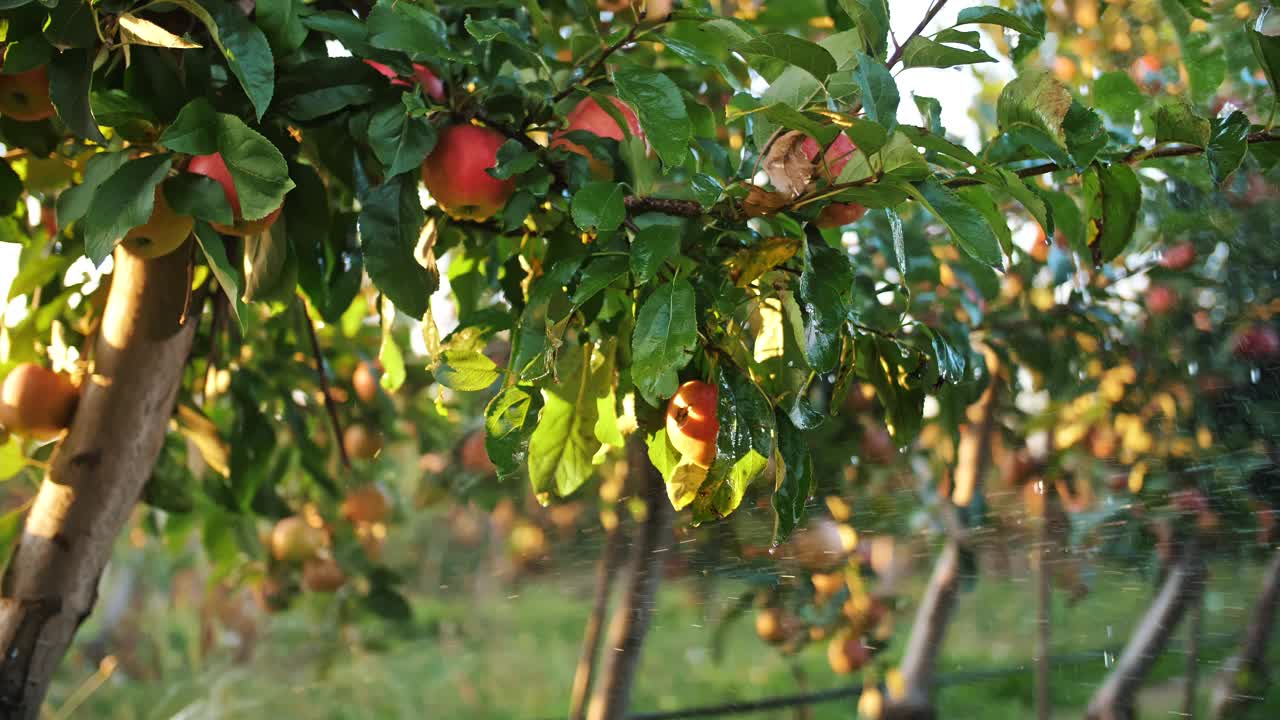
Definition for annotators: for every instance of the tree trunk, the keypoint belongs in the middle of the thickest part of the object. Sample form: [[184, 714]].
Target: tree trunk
[[606, 568], [1244, 677], [96, 475], [919, 663], [631, 617], [1115, 700]]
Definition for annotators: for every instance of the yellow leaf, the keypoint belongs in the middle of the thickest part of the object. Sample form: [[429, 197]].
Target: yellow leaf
[[137, 31]]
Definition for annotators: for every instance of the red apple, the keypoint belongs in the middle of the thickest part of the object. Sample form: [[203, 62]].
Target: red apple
[[588, 116], [385, 71], [1161, 299], [474, 455], [1256, 344], [25, 96], [693, 421], [454, 172], [215, 168], [1179, 257], [833, 161], [433, 86], [847, 653]]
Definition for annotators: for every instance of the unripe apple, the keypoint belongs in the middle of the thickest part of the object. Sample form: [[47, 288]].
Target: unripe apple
[[322, 575], [215, 168], [294, 540], [693, 421], [1160, 299], [162, 233], [36, 402], [588, 116], [1179, 257], [360, 442], [366, 504], [365, 382], [454, 172], [1259, 343], [847, 653], [25, 95], [829, 168], [475, 458]]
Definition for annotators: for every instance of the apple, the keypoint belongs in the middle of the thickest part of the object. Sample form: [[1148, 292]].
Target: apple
[[475, 458], [162, 233], [1147, 71], [454, 172], [1160, 299], [360, 442], [365, 382], [434, 462], [294, 540], [846, 653], [833, 161], [772, 625], [366, 504], [214, 167], [25, 95], [36, 402], [1258, 343], [654, 9], [819, 546], [588, 116], [693, 421], [433, 86], [878, 446], [322, 575], [1179, 257]]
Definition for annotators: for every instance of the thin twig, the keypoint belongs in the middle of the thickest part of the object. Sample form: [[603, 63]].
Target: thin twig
[[928, 17], [604, 55], [324, 384]]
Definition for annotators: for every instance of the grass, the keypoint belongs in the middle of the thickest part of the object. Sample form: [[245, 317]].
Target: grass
[[512, 656]]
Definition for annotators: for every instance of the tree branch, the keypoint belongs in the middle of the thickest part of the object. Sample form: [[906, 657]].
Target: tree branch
[[329, 405], [606, 568], [928, 17], [604, 55], [1246, 674], [666, 206]]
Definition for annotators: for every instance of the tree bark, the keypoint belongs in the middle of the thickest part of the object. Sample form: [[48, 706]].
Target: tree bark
[[96, 475], [1244, 676], [919, 662], [631, 618], [1115, 699], [606, 568]]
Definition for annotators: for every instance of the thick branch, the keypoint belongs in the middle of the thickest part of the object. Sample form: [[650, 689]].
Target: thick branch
[[666, 206], [1115, 700], [920, 658], [631, 617], [606, 568], [1245, 675], [96, 475]]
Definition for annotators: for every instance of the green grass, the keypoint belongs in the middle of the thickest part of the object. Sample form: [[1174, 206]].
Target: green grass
[[512, 656]]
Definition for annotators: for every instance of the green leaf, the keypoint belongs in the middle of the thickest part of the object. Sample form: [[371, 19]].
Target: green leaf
[[390, 219], [660, 107], [826, 287], [270, 268], [920, 51], [972, 38], [223, 271], [11, 188], [987, 15], [600, 206], [1202, 53], [71, 25], [796, 481], [664, 456], [281, 22], [743, 445], [246, 51], [871, 17], [606, 429], [12, 461], [124, 201], [969, 229], [891, 373], [410, 28], [1266, 50], [952, 362], [665, 336], [198, 196], [1117, 95], [508, 422], [466, 370], [389, 353], [400, 140], [1228, 143], [879, 91], [1036, 99], [74, 202], [651, 248], [258, 170], [1085, 134], [70, 82], [598, 274], [810, 57], [1177, 121], [1113, 198], [983, 201], [564, 442]]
